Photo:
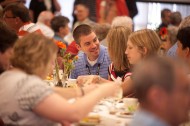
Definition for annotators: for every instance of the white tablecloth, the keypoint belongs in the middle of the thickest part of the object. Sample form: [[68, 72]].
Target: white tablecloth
[[108, 119]]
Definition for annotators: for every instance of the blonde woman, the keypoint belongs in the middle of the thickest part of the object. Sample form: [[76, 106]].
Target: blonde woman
[[25, 97], [117, 43], [141, 44]]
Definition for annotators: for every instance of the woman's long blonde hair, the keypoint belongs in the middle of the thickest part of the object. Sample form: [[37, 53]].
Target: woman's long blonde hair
[[32, 53], [117, 42], [146, 38]]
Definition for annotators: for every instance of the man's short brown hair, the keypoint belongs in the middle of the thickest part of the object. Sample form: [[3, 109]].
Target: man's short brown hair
[[18, 10], [7, 37], [164, 11], [155, 71], [58, 22], [80, 31]]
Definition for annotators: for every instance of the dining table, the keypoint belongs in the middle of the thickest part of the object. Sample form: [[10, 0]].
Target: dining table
[[109, 114], [108, 110]]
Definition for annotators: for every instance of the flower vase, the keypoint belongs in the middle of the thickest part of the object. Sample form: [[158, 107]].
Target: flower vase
[[59, 83], [65, 79], [58, 78]]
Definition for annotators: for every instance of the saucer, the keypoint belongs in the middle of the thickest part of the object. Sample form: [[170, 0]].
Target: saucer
[[124, 115]]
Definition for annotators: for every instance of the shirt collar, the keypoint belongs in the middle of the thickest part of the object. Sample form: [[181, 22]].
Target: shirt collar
[[100, 57]]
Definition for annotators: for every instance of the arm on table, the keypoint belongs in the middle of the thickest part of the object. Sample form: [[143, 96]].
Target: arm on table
[[69, 93], [62, 111], [127, 86]]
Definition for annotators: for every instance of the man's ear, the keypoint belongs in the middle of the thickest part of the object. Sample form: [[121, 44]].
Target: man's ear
[[157, 96], [78, 47], [60, 29], [17, 20], [187, 51]]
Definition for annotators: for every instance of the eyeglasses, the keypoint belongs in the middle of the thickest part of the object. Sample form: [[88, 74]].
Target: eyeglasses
[[5, 16]]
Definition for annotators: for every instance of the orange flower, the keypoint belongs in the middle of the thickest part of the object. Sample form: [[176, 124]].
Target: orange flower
[[76, 58], [60, 44], [70, 61]]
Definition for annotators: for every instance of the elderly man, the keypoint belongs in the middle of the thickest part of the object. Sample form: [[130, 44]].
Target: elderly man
[[7, 40], [162, 89], [94, 59], [44, 24], [82, 13]]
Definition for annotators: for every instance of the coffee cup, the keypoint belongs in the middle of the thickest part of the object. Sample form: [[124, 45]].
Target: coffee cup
[[130, 104]]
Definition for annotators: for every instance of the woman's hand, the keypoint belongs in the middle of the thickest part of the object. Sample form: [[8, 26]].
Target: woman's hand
[[110, 88], [87, 80]]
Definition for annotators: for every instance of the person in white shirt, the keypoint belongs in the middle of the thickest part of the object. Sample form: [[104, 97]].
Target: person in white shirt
[[43, 23]]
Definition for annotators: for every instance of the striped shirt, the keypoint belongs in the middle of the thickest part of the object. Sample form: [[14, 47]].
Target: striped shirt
[[28, 27], [114, 75], [82, 66]]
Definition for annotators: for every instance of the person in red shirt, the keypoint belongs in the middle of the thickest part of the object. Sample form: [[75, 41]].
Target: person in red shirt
[[108, 9], [17, 17]]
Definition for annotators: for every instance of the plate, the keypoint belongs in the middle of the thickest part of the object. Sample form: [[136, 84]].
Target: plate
[[87, 123], [122, 115], [91, 120]]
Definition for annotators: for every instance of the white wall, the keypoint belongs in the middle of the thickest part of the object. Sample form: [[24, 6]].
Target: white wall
[[149, 13], [67, 8]]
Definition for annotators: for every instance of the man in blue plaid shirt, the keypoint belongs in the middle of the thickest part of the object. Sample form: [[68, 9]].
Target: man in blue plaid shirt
[[93, 58]]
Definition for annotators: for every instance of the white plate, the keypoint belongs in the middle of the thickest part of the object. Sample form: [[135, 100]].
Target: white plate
[[81, 123], [124, 116]]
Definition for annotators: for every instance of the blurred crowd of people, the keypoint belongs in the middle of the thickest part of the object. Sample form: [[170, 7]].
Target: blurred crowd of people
[[151, 65]]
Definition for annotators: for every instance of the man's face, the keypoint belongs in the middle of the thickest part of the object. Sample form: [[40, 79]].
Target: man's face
[[81, 12], [166, 19], [182, 53], [90, 45], [180, 99], [10, 20], [65, 30], [5, 59]]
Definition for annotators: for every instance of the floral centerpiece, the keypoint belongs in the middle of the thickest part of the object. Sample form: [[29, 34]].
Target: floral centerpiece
[[64, 62], [162, 33]]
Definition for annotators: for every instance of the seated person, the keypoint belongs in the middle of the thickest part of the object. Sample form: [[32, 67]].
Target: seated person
[[17, 17], [93, 58], [162, 88], [43, 23], [82, 12], [165, 17], [26, 99], [7, 40], [60, 26], [183, 45], [140, 45], [117, 43]]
